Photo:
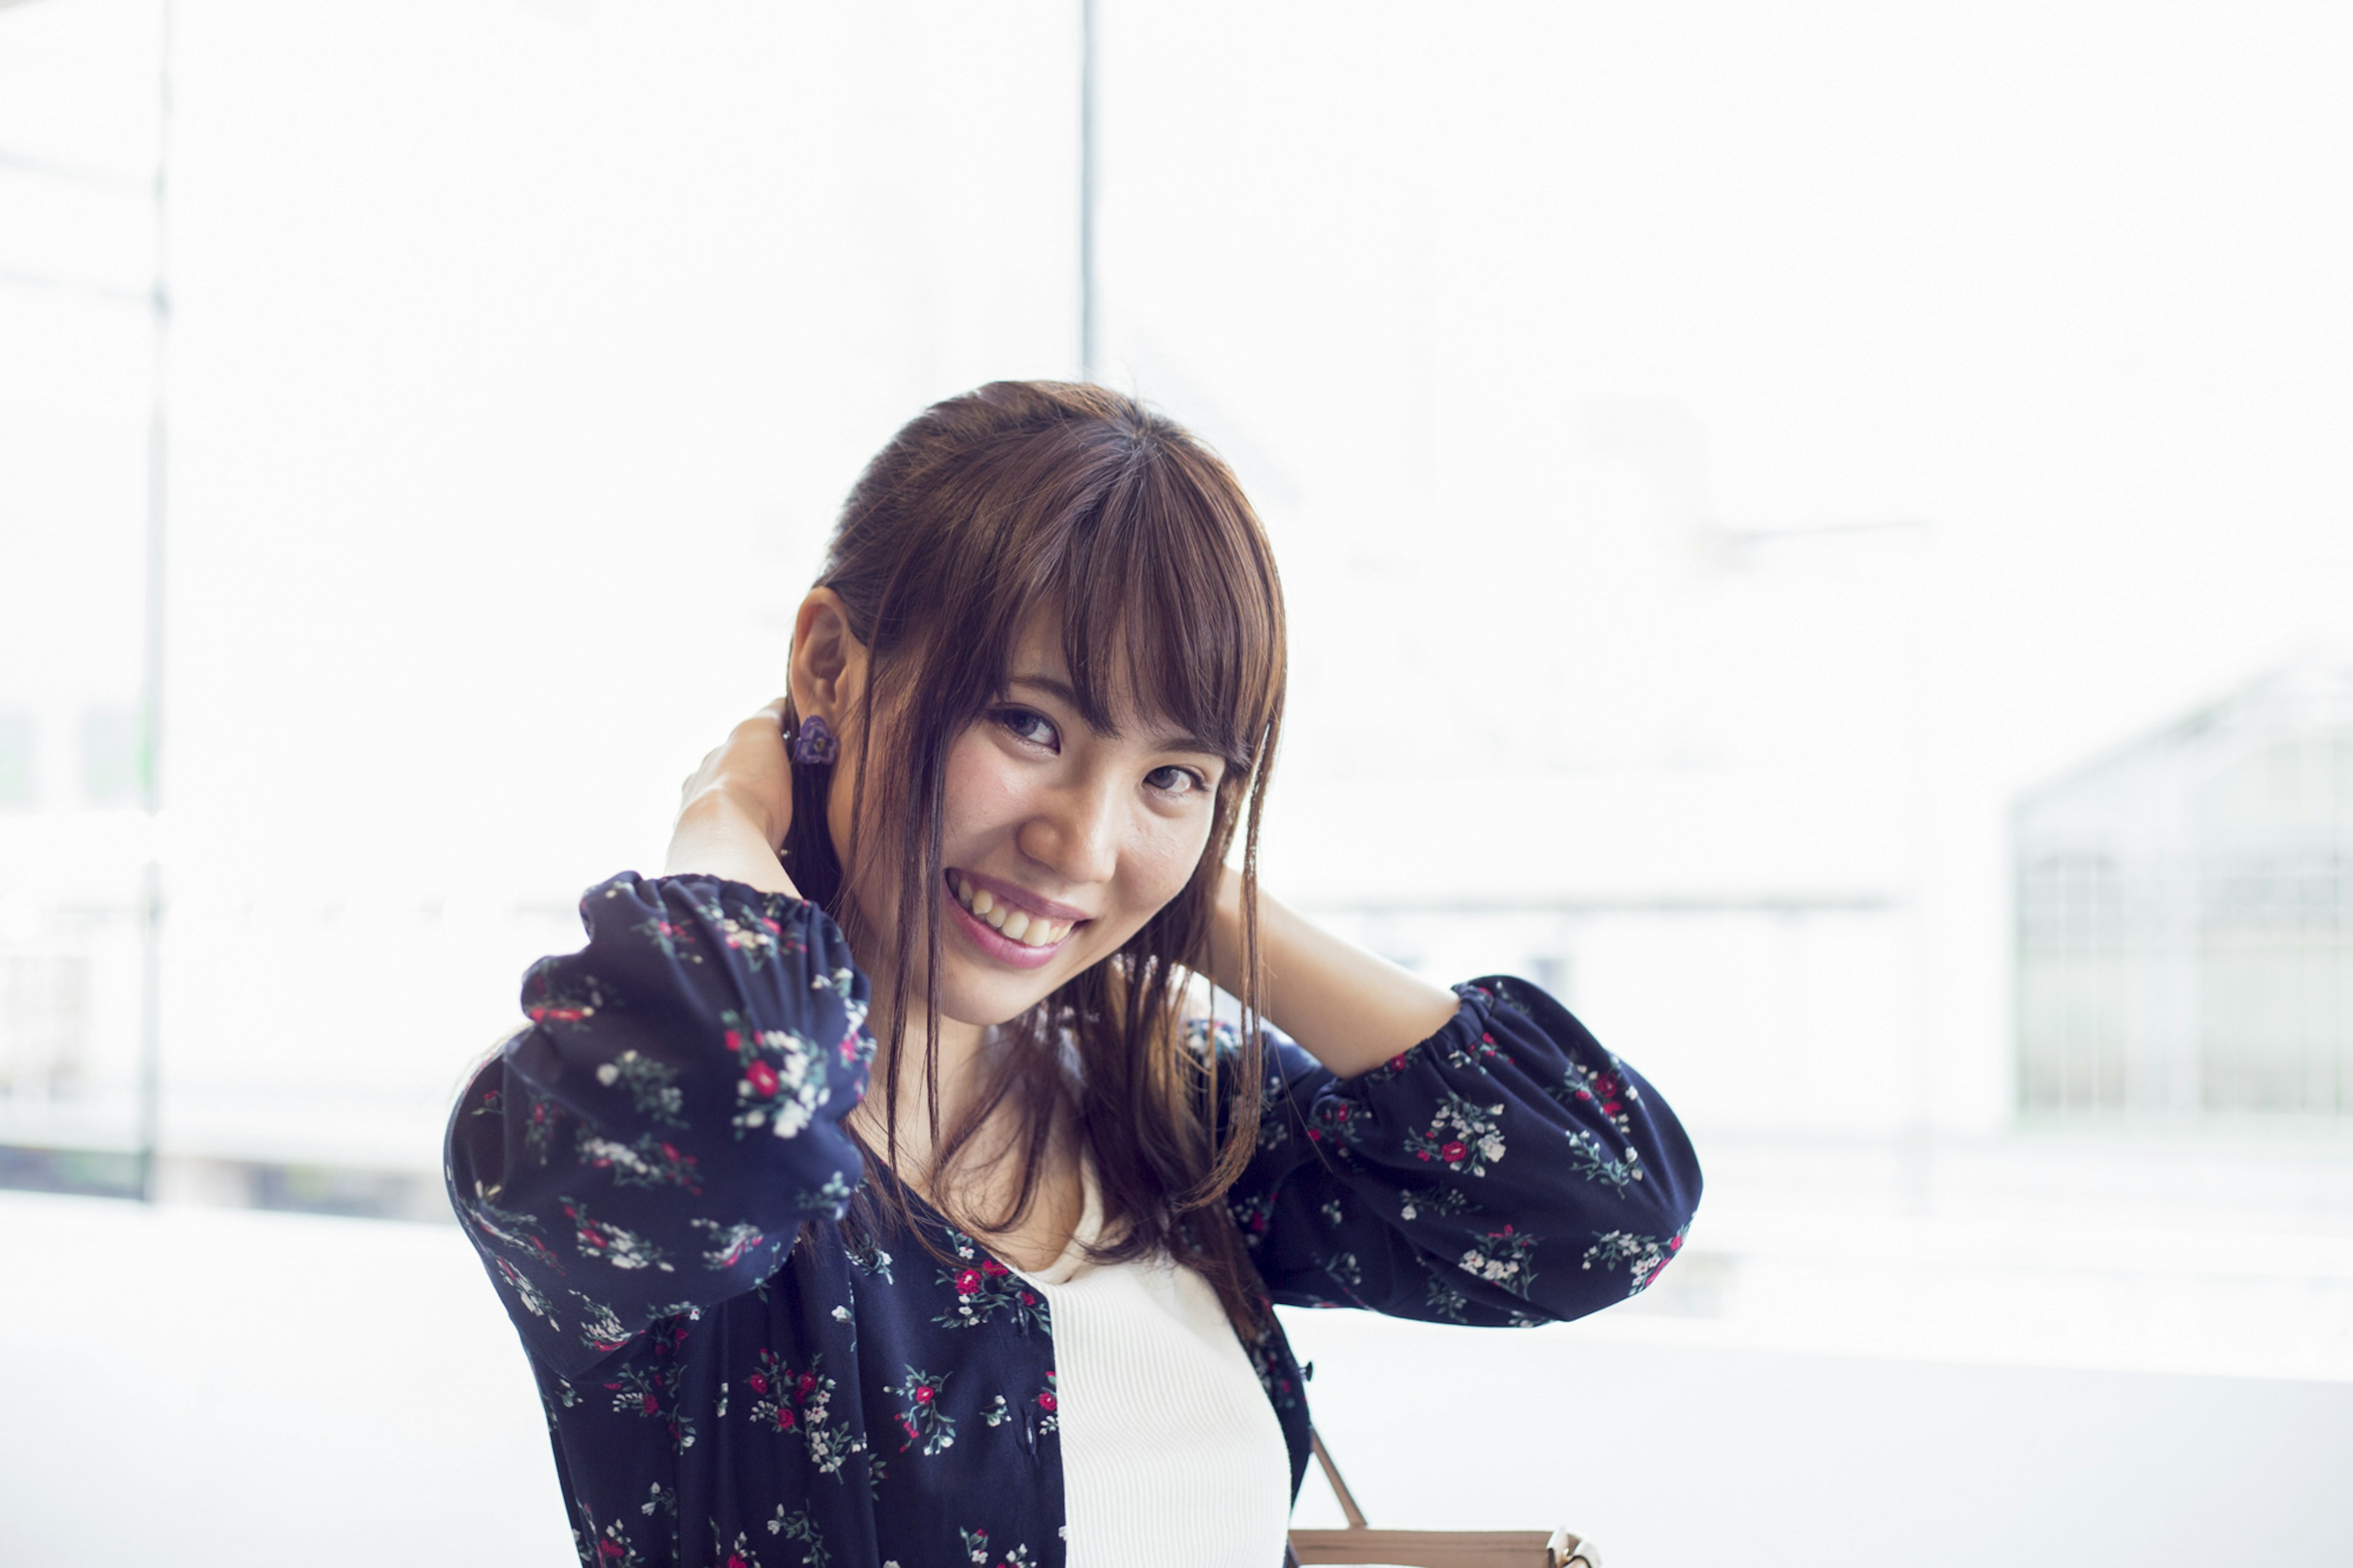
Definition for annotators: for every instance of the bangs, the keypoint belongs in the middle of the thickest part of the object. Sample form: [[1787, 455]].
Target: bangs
[[1171, 611], [1110, 517]]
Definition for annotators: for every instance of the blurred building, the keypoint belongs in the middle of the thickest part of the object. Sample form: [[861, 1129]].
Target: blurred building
[[2185, 913]]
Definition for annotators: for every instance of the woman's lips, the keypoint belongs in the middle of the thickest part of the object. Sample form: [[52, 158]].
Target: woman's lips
[[993, 943]]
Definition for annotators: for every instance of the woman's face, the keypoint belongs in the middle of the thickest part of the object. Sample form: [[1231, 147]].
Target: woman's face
[[1059, 841]]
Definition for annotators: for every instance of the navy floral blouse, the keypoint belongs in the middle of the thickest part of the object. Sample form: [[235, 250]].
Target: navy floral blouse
[[636, 1165]]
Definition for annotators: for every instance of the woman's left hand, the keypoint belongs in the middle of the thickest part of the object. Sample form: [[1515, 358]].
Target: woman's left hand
[[1352, 1010]]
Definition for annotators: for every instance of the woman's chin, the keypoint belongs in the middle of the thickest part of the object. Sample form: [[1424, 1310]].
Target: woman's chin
[[972, 996]]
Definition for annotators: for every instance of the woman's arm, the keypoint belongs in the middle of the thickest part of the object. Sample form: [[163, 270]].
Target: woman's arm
[[1471, 1156], [1506, 1170], [1352, 1010], [651, 1142]]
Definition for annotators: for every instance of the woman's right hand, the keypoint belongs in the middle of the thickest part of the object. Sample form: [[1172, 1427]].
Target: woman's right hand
[[753, 770], [734, 810]]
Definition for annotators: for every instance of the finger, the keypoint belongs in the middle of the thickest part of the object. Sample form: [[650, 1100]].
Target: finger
[[761, 730]]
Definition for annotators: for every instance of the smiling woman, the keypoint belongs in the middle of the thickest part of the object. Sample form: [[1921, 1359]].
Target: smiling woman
[[977, 858], [1043, 603]]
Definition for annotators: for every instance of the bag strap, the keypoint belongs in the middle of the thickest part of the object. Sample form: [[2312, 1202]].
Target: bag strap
[[1339, 1488]]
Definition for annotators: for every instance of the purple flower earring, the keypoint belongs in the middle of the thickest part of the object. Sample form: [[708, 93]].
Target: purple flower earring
[[815, 745]]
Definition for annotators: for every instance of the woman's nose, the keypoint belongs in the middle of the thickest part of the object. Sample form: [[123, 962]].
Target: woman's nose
[[1076, 834]]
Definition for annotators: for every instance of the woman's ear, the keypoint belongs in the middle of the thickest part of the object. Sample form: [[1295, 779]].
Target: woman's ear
[[828, 662]]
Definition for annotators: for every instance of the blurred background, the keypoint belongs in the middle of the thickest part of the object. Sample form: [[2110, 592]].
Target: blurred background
[[1821, 532]]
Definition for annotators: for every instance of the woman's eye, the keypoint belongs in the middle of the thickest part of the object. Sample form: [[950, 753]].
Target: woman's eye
[[1026, 725], [1174, 780]]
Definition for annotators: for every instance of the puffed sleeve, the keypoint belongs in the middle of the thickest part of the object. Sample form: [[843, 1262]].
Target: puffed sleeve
[[651, 1142], [1506, 1171]]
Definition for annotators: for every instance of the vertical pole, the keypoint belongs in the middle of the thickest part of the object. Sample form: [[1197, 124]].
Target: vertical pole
[[151, 697], [1089, 340]]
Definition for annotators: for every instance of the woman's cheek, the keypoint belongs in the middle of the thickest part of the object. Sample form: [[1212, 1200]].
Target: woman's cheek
[[982, 789], [1172, 857]]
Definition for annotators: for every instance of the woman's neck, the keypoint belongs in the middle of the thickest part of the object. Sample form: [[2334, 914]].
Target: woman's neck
[[985, 1174], [963, 1076]]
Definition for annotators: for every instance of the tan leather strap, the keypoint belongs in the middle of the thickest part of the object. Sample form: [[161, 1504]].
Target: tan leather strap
[[1339, 1488]]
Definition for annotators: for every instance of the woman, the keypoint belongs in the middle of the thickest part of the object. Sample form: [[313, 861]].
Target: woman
[[1012, 1306]]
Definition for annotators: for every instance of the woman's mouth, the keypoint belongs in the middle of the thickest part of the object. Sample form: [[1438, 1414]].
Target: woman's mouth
[[1003, 930]]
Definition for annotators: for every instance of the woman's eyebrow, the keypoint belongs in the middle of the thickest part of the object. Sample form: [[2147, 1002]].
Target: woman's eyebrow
[[1166, 740]]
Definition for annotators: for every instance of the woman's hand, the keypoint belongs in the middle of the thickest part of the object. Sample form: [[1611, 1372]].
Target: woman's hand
[[752, 770], [734, 810]]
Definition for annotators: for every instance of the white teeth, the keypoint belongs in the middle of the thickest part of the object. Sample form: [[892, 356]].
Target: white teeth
[[1028, 930]]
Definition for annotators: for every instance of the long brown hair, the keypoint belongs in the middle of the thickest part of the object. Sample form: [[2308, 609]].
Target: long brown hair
[[1018, 496]]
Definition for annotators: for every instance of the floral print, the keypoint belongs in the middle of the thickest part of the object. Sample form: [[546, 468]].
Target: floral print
[[924, 1418], [802, 1402], [801, 1529], [754, 933], [1252, 1213], [602, 1329], [652, 1086], [518, 1233], [1043, 1417], [525, 1292], [655, 1174], [552, 995], [1596, 1163], [602, 1239], [976, 1548], [1641, 1256], [730, 1244], [650, 1392], [649, 1162], [1412, 1205], [985, 1289], [1502, 1258], [612, 1550], [1607, 1086], [540, 1117], [1445, 1298], [783, 1083], [1270, 1357], [868, 1259], [1049, 1405], [1460, 1136]]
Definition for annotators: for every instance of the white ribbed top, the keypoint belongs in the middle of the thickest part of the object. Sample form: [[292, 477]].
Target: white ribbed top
[[1171, 1454]]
